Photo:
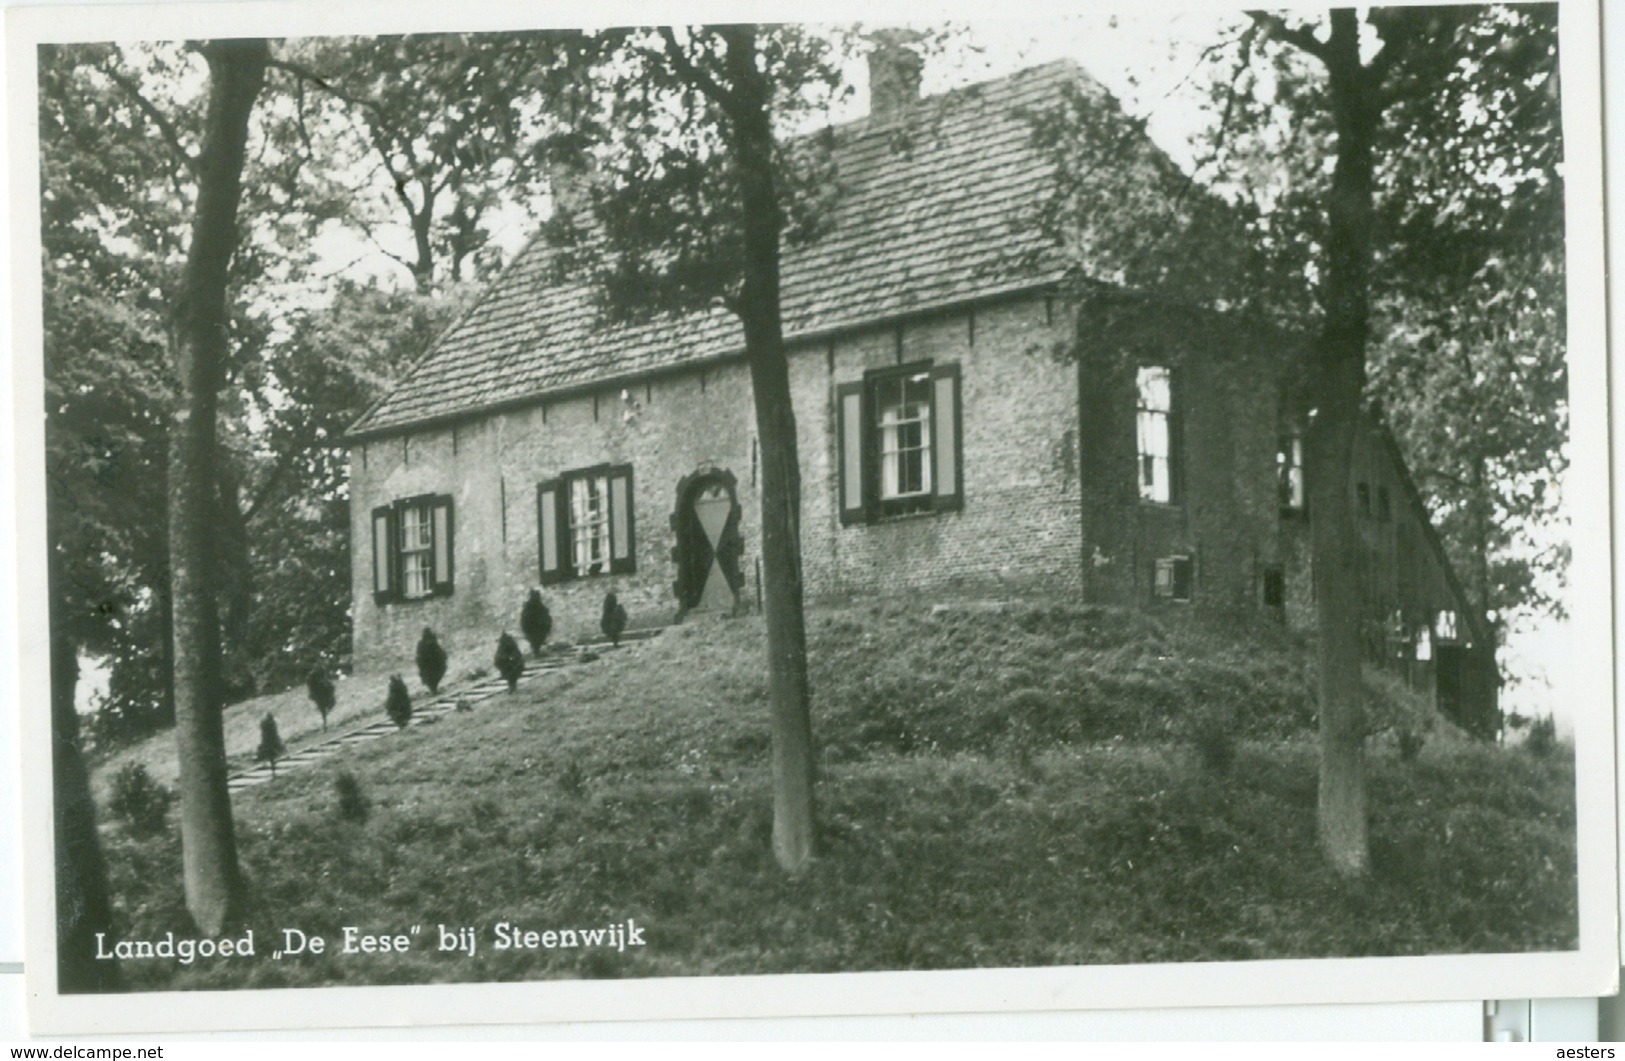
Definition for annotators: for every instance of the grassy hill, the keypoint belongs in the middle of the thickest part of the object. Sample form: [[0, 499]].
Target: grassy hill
[[1001, 784]]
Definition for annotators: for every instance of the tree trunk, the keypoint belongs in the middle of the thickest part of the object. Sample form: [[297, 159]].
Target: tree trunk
[[214, 883], [82, 905], [1339, 381], [235, 582], [1482, 508], [788, 690]]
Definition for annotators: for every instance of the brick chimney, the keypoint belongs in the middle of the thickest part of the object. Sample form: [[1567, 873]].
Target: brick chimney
[[894, 72]]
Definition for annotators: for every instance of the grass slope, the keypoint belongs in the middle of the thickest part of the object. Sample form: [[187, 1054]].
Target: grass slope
[[1000, 786]]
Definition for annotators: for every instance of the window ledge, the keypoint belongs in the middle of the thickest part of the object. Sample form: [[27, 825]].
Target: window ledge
[[904, 517]]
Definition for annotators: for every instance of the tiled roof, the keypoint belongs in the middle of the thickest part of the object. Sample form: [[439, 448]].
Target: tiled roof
[[929, 215]]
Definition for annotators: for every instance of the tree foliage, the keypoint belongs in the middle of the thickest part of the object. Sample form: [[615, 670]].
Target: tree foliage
[[647, 190], [439, 131], [119, 141], [1466, 355]]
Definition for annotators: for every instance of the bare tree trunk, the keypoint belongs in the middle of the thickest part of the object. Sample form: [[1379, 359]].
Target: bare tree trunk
[[1482, 516], [788, 689], [1339, 381], [82, 904], [214, 883]]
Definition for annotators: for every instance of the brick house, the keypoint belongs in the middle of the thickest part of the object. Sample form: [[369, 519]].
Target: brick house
[[954, 435]]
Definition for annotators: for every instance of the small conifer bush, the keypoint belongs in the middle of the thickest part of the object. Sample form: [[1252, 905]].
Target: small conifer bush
[[399, 703], [352, 805], [138, 801]]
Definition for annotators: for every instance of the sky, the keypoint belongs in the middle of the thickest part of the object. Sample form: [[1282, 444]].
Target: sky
[[1151, 62]]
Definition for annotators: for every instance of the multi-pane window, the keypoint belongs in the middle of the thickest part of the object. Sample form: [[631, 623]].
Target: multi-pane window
[[1289, 471], [589, 524], [1444, 627], [899, 442], [1156, 425], [584, 523], [903, 407], [417, 551], [412, 549]]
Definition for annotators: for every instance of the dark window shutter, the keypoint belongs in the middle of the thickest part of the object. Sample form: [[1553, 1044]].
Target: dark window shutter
[[623, 558], [852, 458], [1182, 571], [440, 510], [947, 446], [383, 553], [552, 531]]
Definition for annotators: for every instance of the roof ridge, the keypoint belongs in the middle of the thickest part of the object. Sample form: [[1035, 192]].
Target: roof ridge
[[916, 229]]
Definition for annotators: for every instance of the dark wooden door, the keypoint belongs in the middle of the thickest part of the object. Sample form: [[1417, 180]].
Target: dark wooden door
[[709, 546]]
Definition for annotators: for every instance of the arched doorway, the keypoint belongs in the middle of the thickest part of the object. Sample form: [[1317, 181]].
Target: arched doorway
[[709, 545]]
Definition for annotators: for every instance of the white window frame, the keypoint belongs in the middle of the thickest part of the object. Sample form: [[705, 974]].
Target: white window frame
[[416, 550], [586, 524], [1154, 433], [589, 523], [899, 443], [903, 436], [412, 541], [1289, 471]]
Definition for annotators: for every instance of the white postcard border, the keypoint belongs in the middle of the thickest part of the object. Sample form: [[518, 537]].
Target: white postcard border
[[1591, 970]]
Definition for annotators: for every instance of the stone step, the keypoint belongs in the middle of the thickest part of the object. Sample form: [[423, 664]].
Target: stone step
[[442, 705]]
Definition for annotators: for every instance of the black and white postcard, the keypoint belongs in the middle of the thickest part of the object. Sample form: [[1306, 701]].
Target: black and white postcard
[[748, 510]]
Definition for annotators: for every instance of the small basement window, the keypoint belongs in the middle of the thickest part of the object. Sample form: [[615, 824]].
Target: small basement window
[[1274, 587], [1171, 578]]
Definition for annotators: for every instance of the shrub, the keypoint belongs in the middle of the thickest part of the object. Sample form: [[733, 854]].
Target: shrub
[[1542, 739], [138, 801], [1410, 743], [352, 805], [399, 702]]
